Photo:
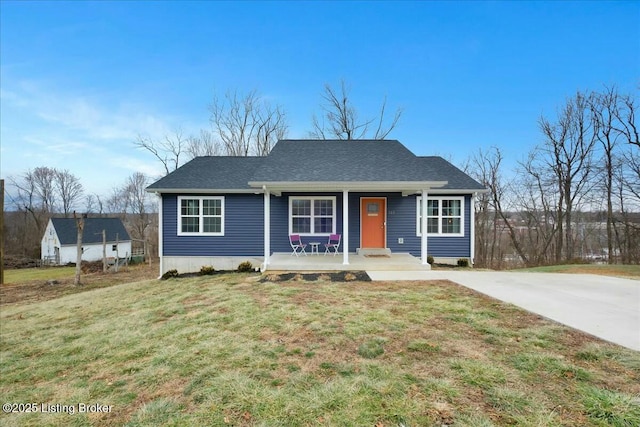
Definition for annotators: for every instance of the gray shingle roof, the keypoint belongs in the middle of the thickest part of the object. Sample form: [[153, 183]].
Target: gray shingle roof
[[316, 161], [357, 160], [339, 160], [92, 232], [442, 170], [211, 172]]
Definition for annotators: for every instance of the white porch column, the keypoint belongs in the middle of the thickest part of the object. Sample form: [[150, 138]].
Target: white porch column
[[423, 238], [472, 227], [267, 227], [345, 227]]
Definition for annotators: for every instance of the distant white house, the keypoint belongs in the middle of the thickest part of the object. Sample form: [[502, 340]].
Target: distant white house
[[59, 243]]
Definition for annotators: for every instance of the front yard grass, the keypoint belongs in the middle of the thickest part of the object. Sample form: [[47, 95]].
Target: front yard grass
[[228, 350]]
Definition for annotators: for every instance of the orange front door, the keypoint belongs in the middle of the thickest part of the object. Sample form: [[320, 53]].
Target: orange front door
[[373, 223]]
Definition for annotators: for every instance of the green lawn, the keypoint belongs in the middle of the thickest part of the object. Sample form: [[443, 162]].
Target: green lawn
[[228, 350], [22, 275]]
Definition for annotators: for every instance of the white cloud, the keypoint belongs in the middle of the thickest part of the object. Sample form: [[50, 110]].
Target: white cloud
[[90, 135], [91, 116]]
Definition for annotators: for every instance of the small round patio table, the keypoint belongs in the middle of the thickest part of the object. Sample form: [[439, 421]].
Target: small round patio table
[[314, 247]]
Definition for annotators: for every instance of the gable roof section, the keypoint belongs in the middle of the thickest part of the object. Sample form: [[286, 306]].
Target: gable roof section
[[302, 162], [341, 161], [210, 173], [374, 161], [92, 233]]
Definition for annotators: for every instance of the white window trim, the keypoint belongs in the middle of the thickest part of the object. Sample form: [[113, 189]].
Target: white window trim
[[333, 216], [440, 199], [201, 216]]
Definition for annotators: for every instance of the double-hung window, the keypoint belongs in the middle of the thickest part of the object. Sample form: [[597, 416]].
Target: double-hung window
[[201, 216], [312, 215], [445, 216]]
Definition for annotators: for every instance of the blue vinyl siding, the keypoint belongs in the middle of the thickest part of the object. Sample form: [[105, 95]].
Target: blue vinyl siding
[[436, 245], [244, 219], [243, 229], [280, 221]]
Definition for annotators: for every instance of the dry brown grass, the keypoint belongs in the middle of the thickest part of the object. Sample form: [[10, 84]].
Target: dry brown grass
[[20, 291]]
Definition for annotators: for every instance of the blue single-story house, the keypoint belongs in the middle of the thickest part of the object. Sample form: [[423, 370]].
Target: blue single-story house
[[220, 211]]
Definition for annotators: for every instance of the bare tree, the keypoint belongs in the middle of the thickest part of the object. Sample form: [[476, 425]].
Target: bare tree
[[247, 124], [241, 125], [137, 203], [204, 144], [168, 150], [629, 193], [484, 166], [34, 194], [93, 204], [42, 180], [340, 118], [487, 167], [628, 129], [114, 203], [567, 154], [605, 113], [69, 189], [537, 201], [630, 176], [626, 115]]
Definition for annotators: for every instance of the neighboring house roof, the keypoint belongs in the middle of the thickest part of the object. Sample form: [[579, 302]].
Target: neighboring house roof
[[317, 161], [67, 231], [211, 172]]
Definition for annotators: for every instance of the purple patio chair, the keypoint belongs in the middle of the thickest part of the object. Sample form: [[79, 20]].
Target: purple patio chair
[[297, 245], [334, 242]]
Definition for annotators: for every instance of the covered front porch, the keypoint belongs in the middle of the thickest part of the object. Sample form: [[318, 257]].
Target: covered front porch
[[357, 262], [366, 216]]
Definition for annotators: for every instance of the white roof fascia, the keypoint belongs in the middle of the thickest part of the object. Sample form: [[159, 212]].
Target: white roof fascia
[[446, 191], [203, 191], [459, 191]]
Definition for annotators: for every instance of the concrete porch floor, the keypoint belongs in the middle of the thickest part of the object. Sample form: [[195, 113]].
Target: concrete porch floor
[[321, 262]]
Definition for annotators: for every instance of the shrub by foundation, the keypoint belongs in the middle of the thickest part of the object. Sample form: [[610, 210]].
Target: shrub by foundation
[[245, 267]]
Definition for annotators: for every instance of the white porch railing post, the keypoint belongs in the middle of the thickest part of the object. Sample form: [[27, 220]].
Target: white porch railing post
[[267, 227], [423, 238], [345, 227]]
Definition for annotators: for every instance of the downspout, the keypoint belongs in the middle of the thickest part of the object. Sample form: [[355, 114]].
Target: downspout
[[160, 238], [267, 228]]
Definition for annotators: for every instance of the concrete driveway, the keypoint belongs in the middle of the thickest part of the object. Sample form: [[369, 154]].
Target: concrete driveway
[[606, 307]]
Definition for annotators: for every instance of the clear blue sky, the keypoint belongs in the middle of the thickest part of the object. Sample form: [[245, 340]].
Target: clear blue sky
[[79, 80]]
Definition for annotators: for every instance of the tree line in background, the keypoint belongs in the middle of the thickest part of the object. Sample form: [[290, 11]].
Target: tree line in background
[[575, 196], [44, 192]]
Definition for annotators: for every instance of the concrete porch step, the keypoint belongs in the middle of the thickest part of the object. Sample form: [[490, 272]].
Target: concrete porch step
[[394, 262]]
